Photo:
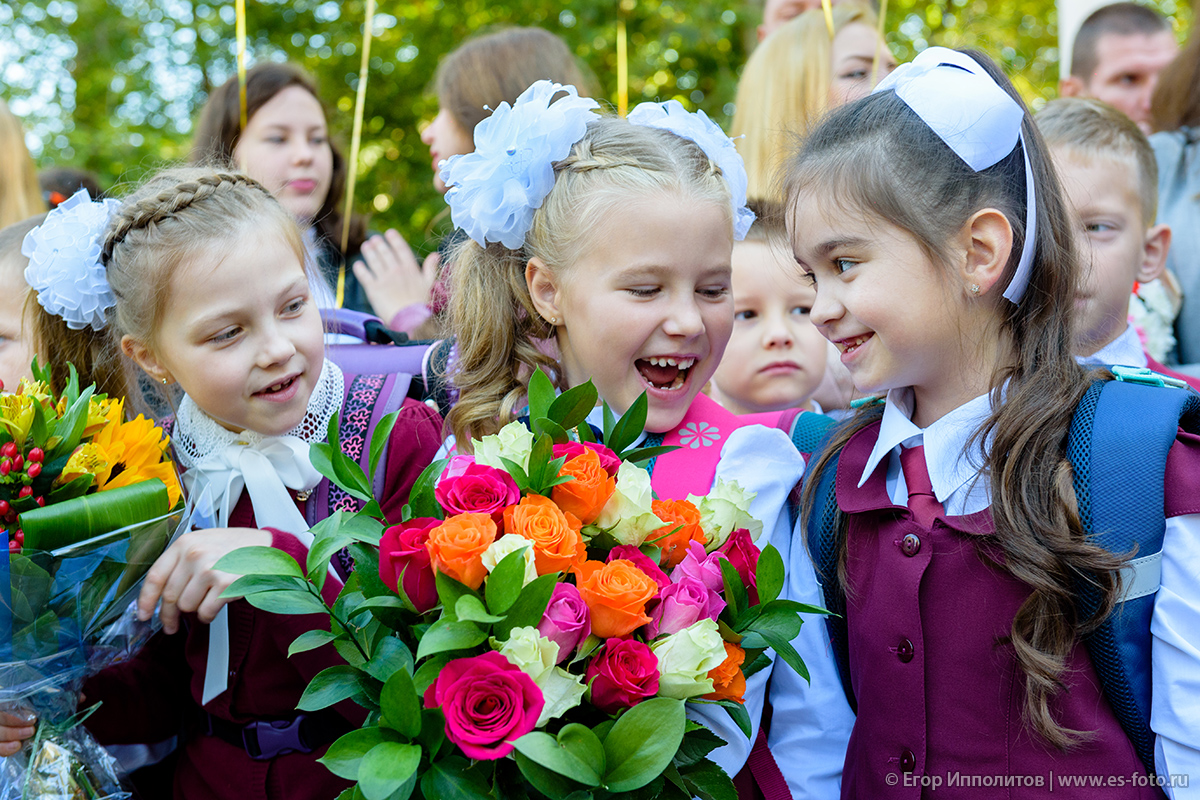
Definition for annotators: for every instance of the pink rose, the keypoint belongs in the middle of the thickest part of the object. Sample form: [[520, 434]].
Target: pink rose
[[642, 562], [701, 566], [402, 551], [567, 621], [681, 605], [743, 555], [457, 466], [476, 489], [622, 674], [488, 702], [608, 459]]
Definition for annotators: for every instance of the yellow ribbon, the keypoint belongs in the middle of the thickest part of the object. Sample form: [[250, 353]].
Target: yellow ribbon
[[240, 10], [622, 67], [360, 103], [882, 42], [828, 6]]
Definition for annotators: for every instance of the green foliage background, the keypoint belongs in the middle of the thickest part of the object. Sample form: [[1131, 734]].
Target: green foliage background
[[114, 85]]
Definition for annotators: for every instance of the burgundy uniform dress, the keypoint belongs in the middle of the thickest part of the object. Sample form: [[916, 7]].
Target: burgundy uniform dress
[[157, 694], [940, 694]]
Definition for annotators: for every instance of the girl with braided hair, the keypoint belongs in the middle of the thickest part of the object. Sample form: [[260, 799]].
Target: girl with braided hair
[[201, 280], [600, 249]]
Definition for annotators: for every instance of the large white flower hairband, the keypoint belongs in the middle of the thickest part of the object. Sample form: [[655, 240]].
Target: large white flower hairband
[[64, 261], [976, 118], [495, 190]]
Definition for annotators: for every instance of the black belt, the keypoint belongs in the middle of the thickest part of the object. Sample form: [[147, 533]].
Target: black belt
[[265, 739]]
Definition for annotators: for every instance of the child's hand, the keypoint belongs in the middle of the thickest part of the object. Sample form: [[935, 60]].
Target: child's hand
[[184, 579], [391, 277], [15, 728]]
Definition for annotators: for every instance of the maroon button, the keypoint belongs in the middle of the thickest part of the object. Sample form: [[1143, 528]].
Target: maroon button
[[905, 651], [908, 762], [910, 545]]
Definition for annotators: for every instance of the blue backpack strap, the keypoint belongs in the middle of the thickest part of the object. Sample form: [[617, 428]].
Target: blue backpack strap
[[810, 431], [1119, 439]]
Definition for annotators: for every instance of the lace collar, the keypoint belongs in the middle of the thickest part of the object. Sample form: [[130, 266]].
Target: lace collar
[[198, 436]]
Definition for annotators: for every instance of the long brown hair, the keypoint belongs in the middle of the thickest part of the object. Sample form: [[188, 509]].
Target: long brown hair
[[495, 68], [20, 195], [877, 157], [219, 128], [1176, 101]]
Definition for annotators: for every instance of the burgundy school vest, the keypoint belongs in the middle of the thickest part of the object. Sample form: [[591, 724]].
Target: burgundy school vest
[[939, 693]]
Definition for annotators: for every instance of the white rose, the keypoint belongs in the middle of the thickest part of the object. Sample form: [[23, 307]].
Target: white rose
[[725, 509], [507, 544], [686, 658], [536, 656], [628, 515], [514, 442]]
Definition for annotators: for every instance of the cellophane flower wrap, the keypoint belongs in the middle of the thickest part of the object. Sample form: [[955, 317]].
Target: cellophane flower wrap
[[511, 638], [88, 501]]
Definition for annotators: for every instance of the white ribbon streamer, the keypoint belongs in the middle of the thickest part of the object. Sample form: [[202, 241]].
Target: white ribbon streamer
[[976, 118]]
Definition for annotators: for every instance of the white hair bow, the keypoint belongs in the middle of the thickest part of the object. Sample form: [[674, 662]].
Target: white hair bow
[[976, 118]]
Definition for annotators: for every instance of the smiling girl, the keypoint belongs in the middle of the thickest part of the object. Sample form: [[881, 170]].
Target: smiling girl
[[206, 273], [600, 249]]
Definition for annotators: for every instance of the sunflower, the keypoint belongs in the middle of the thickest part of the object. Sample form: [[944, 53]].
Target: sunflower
[[136, 451]]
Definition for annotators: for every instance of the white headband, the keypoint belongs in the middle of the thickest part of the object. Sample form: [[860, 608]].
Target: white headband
[[976, 118]]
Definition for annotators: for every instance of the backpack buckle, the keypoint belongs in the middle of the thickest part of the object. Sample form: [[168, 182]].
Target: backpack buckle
[[1146, 377]]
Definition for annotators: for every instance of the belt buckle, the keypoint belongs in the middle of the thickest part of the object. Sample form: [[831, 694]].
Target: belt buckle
[[273, 738]]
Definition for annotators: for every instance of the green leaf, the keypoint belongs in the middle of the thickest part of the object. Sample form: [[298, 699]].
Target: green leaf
[[519, 476], [376, 603], [254, 584], [571, 408], [445, 635], [469, 608], [77, 520], [343, 756], [310, 640], [542, 453], [697, 743], [737, 712], [769, 574], [783, 623], [389, 656], [758, 663], [529, 608], [578, 756], [386, 767], [585, 433], [504, 585], [421, 499], [641, 455], [642, 743], [427, 673], [706, 780], [452, 779], [540, 393], [630, 426], [590, 645], [548, 782], [330, 686], [400, 705], [449, 590], [297, 602], [379, 439], [783, 648], [259, 561], [550, 428], [610, 422], [735, 591], [792, 605]]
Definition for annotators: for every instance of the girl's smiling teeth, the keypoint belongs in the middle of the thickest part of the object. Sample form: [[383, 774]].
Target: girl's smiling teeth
[[850, 345], [664, 372], [283, 385]]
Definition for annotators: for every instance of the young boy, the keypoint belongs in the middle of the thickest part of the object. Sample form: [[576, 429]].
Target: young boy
[[1110, 178], [776, 357]]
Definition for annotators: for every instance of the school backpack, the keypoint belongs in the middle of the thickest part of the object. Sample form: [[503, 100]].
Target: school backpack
[[1118, 442]]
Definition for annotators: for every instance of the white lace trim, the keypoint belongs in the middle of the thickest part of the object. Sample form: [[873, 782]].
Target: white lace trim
[[198, 436]]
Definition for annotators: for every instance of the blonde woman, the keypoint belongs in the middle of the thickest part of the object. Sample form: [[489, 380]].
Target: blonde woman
[[20, 197]]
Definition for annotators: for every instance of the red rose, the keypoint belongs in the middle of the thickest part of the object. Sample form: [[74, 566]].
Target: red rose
[[742, 553], [402, 551], [622, 674], [476, 489], [488, 702]]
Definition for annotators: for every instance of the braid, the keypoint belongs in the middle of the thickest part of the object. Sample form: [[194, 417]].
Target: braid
[[149, 211]]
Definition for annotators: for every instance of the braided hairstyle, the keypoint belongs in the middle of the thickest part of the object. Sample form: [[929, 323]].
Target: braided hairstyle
[[174, 217], [501, 338]]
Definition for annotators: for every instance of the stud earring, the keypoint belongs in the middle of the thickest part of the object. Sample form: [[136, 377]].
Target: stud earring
[[975, 289], [553, 320]]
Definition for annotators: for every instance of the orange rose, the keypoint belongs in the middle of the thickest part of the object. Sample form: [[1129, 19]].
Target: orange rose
[[728, 681], [557, 544], [456, 547], [586, 495], [616, 594], [683, 518]]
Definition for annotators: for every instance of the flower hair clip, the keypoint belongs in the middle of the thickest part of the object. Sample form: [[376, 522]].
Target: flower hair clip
[[698, 128], [495, 189], [64, 261]]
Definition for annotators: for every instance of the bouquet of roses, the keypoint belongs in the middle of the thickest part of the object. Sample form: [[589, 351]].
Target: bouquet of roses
[[536, 622], [86, 506]]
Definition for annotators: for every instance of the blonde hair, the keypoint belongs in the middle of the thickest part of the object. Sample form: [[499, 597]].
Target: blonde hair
[[174, 216], [1092, 129], [501, 338], [20, 195], [784, 92]]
